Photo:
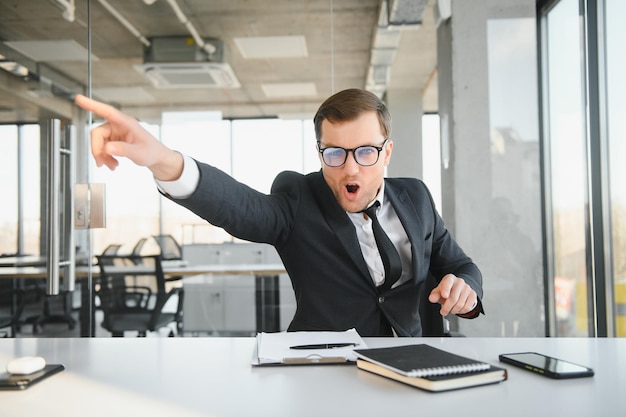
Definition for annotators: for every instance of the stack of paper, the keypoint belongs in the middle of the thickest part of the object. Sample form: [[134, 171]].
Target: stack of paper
[[307, 347]]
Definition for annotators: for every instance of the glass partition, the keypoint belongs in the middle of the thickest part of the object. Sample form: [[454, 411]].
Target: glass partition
[[615, 35]]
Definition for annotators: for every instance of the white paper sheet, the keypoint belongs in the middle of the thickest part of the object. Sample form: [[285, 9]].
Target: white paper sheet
[[275, 348]]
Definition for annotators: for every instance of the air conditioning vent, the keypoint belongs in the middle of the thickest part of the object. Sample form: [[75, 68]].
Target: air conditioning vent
[[189, 75]]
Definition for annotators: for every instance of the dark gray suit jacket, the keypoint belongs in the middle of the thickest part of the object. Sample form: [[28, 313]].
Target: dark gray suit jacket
[[318, 245]]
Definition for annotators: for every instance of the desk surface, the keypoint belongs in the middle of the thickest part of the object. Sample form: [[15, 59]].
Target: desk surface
[[213, 376], [27, 260], [33, 260], [185, 270]]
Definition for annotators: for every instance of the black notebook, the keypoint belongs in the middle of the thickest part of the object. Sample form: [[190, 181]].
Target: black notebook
[[427, 367]]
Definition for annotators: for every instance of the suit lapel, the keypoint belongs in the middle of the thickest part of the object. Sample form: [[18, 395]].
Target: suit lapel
[[409, 217], [338, 221]]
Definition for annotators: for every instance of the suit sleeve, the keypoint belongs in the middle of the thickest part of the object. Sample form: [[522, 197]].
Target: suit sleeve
[[239, 209], [448, 257]]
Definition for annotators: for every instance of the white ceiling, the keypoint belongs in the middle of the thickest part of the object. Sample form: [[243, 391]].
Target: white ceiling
[[288, 55]]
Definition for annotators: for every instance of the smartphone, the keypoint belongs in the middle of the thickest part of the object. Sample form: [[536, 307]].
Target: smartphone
[[20, 382], [546, 365]]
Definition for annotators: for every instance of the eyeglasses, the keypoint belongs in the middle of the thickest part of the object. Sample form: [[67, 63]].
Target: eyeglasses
[[363, 155]]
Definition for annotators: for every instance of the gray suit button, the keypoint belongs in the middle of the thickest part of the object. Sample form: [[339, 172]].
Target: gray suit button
[[381, 299]]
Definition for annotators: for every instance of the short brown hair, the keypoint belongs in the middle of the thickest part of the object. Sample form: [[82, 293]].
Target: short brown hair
[[349, 104]]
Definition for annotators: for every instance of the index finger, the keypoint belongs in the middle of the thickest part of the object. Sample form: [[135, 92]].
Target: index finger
[[446, 284], [103, 110]]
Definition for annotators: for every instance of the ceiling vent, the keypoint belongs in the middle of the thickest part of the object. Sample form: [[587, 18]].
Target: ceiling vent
[[189, 75], [178, 62]]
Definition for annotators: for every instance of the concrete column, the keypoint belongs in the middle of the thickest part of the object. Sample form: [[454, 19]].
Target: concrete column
[[490, 193], [405, 106]]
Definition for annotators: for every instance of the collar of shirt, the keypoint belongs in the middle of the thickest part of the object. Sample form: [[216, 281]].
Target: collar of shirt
[[393, 227]]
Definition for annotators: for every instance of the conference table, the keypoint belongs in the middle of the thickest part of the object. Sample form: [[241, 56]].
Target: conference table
[[21, 261], [266, 284], [169, 268], [205, 376]]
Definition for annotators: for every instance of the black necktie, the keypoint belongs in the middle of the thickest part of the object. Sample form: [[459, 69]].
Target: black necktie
[[388, 252]]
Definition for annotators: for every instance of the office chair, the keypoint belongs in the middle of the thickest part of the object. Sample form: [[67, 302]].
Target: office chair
[[433, 323], [138, 247], [129, 307], [136, 252], [107, 257], [112, 249], [170, 249], [13, 302]]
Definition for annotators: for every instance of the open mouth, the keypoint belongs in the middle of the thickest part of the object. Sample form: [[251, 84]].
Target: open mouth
[[352, 188]]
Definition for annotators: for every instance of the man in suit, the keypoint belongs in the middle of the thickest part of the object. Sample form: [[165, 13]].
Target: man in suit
[[316, 221]]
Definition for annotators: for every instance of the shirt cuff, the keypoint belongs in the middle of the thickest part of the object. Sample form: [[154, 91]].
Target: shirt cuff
[[186, 184]]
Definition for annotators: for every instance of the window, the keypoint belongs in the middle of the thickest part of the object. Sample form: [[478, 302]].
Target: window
[[431, 156], [253, 151], [567, 167], [20, 214], [132, 204], [30, 157], [8, 218], [208, 142], [264, 148], [583, 130]]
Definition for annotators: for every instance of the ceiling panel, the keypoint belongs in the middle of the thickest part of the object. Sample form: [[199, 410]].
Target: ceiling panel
[[338, 51]]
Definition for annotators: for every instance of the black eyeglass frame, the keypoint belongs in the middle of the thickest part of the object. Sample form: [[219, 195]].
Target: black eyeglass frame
[[353, 150]]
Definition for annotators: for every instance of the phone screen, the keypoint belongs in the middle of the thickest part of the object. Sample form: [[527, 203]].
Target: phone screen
[[546, 365]]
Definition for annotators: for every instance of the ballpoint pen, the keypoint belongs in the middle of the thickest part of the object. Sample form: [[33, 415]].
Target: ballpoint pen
[[322, 346]]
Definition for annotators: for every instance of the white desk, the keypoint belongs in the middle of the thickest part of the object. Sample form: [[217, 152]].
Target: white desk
[[212, 376], [28, 272], [33, 260], [27, 260]]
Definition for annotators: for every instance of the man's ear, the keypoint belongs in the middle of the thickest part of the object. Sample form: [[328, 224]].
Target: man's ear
[[319, 154], [387, 151]]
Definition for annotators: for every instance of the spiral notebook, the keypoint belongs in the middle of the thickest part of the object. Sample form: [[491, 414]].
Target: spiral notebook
[[428, 367]]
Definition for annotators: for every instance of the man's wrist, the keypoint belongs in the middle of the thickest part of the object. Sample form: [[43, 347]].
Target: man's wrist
[[170, 168], [185, 184]]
